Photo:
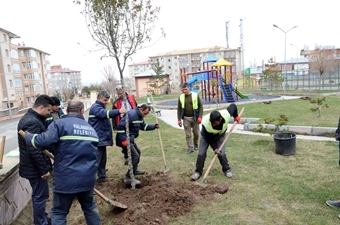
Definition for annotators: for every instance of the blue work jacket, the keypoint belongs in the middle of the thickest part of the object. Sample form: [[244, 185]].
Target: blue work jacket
[[75, 158]]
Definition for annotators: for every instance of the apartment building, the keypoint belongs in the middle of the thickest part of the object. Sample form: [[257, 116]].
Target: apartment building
[[6, 71], [65, 81], [23, 73], [32, 73], [191, 60]]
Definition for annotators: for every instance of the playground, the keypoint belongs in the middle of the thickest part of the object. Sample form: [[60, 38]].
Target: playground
[[214, 82]]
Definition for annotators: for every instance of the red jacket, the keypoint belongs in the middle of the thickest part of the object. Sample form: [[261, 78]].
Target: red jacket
[[118, 104]]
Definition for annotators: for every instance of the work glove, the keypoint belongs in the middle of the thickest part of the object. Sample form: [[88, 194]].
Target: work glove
[[124, 143], [237, 118], [157, 126], [199, 120], [217, 152], [179, 123]]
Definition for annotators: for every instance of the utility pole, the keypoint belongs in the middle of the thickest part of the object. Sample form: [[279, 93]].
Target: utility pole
[[227, 32], [242, 49]]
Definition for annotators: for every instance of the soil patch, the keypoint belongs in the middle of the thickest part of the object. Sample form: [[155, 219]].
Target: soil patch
[[158, 199]]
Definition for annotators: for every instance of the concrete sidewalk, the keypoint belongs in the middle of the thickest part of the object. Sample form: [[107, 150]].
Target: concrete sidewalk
[[3, 118], [170, 117]]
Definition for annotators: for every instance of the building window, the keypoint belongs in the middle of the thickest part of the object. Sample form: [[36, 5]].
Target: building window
[[31, 53], [14, 54], [28, 99], [10, 83], [9, 68], [34, 65], [22, 53], [169, 67], [23, 65], [16, 68], [169, 60], [17, 82], [26, 88], [5, 37], [6, 53]]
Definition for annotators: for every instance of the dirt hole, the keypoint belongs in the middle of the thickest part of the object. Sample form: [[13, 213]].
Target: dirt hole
[[158, 199]]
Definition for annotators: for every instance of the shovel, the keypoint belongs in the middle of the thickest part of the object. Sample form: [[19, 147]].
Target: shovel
[[159, 135], [106, 199], [109, 201]]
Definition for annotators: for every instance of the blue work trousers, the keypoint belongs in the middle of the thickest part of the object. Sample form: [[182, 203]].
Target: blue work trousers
[[101, 161], [40, 194], [135, 157], [62, 203]]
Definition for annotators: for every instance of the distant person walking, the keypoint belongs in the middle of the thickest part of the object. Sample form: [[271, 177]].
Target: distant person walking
[[118, 104], [214, 127], [34, 165], [99, 119], [190, 110]]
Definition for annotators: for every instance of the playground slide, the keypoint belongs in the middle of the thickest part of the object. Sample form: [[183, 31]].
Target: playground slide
[[190, 82], [239, 93]]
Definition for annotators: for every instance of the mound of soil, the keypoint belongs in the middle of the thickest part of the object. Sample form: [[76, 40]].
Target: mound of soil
[[158, 199]]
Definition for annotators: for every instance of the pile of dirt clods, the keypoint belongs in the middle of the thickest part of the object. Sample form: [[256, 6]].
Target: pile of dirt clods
[[158, 199]]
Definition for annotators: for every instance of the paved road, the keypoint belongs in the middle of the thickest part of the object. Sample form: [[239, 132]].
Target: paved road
[[9, 129]]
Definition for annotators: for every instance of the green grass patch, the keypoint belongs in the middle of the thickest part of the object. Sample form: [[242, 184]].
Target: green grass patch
[[297, 110], [266, 188]]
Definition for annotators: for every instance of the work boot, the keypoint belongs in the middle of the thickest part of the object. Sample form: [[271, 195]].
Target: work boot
[[189, 151], [228, 173], [139, 172], [196, 147], [129, 181], [333, 203], [196, 176]]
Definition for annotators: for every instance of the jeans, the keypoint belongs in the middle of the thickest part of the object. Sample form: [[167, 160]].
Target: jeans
[[188, 123], [62, 203], [101, 161], [202, 154], [135, 157], [40, 194]]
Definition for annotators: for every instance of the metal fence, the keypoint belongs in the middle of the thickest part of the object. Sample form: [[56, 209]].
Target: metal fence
[[306, 80]]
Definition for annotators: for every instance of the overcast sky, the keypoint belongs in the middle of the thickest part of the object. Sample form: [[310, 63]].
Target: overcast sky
[[57, 27]]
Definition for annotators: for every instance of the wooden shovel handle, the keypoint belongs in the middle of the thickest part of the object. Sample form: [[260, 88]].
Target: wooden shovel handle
[[106, 199]]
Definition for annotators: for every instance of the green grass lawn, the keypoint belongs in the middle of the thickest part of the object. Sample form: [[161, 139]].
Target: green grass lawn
[[297, 110], [266, 188]]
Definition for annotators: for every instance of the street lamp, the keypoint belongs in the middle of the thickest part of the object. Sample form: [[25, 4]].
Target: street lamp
[[285, 71], [3, 70]]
